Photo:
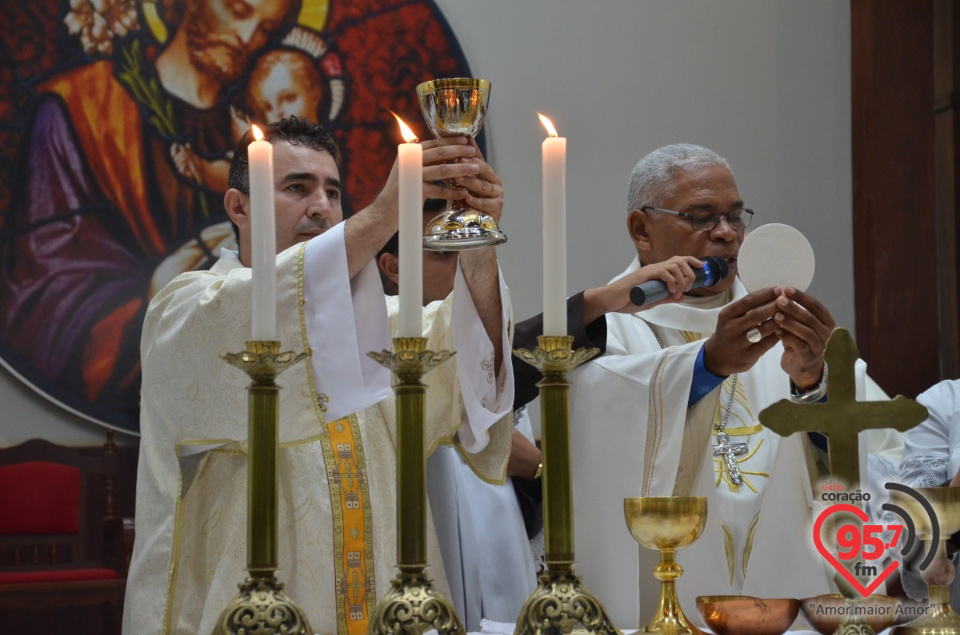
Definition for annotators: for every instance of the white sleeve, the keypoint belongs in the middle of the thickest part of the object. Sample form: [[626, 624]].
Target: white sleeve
[[928, 453], [487, 397], [343, 324]]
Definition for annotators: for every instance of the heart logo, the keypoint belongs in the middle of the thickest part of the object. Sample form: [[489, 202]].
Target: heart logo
[[842, 570]]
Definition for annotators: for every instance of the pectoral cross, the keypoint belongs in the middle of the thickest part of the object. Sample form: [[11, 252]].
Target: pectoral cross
[[842, 417], [730, 452]]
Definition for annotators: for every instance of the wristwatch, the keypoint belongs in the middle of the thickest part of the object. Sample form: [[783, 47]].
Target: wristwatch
[[538, 473], [813, 395]]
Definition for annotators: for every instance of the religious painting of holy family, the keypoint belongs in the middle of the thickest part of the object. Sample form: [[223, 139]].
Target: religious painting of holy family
[[118, 119]]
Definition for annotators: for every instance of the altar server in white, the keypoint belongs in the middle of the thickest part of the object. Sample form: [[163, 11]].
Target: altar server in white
[[337, 540], [672, 407]]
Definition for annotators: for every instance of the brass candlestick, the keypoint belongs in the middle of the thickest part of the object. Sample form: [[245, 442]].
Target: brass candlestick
[[559, 602], [412, 605], [262, 606]]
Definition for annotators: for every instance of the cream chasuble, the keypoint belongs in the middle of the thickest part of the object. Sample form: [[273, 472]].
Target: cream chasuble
[[633, 435], [337, 523]]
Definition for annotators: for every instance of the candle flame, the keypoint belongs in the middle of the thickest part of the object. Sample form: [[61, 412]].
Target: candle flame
[[408, 134], [548, 125], [256, 132]]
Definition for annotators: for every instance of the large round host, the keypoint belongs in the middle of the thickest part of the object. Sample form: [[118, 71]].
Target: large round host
[[775, 255]]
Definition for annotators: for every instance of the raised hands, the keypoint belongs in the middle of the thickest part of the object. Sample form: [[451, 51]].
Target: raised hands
[[788, 315], [459, 159], [804, 326]]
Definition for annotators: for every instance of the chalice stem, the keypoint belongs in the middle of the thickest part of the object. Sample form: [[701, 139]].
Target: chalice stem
[[669, 617]]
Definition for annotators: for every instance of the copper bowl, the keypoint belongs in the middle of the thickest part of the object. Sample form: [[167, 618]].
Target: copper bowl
[[744, 615], [824, 612]]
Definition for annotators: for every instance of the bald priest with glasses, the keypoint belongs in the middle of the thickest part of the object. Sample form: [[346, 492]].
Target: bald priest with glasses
[[672, 407]]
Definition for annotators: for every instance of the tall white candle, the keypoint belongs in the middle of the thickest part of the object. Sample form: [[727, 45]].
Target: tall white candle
[[263, 233], [410, 249], [554, 232]]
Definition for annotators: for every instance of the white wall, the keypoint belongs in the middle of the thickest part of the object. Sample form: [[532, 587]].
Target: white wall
[[765, 83]]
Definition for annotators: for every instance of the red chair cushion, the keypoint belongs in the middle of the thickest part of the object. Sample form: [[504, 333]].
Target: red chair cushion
[[61, 575], [39, 498]]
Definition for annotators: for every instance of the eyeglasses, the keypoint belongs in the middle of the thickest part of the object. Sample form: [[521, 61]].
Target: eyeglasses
[[705, 221]]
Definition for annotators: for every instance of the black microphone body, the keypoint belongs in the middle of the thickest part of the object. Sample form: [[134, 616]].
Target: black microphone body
[[713, 271]]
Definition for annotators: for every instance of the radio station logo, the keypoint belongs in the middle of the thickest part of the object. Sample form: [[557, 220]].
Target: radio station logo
[[860, 546]]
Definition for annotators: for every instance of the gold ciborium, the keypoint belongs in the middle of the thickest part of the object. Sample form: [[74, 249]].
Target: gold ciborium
[[454, 107], [939, 619], [667, 523]]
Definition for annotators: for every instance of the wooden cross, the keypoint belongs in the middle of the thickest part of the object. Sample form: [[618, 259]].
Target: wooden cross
[[730, 452], [842, 417]]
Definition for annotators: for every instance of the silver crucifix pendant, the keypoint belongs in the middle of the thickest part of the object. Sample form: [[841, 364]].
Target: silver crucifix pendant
[[730, 452]]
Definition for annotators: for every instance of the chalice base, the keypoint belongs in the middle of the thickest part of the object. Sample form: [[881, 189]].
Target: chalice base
[[459, 229], [939, 620], [671, 624], [559, 604]]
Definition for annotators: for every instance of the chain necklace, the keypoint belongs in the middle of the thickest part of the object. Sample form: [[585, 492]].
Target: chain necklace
[[730, 451]]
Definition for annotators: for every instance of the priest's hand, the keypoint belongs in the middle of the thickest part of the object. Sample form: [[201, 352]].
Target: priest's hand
[[730, 349], [369, 229], [484, 190], [804, 326], [445, 161], [481, 190], [458, 160], [525, 457], [678, 273]]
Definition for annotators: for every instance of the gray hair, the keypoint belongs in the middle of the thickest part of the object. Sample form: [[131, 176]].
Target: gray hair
[[653, 178]]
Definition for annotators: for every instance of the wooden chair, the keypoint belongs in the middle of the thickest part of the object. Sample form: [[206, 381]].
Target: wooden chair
[[61, 543]]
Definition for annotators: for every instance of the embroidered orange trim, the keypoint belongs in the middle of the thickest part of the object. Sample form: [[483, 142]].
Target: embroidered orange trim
[[348, 478]]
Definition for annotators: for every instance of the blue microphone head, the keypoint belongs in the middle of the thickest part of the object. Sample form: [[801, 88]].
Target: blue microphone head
[[716, 270]]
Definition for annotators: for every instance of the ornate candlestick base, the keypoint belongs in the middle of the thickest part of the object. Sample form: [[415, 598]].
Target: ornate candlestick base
[[559, 602], [412, 606], [262, 606]]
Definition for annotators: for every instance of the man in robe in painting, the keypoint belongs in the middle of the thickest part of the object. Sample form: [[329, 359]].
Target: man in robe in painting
[[104, 218]]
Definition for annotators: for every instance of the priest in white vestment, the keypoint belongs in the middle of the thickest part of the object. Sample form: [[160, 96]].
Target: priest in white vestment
[[337, 498], [681, 381]]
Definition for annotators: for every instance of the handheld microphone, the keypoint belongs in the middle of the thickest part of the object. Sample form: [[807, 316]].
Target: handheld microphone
[[713, 271]]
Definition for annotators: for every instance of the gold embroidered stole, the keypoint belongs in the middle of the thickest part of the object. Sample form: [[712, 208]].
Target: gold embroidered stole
[[352, 529], [355, 581]]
